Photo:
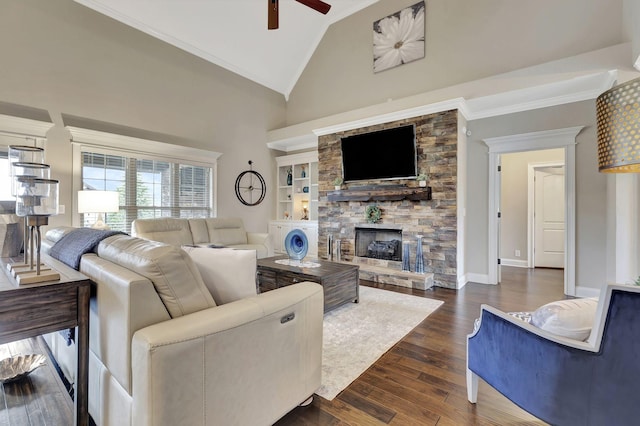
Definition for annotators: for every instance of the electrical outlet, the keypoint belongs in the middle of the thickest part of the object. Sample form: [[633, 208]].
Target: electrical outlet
[[517, 253], [60, 208]]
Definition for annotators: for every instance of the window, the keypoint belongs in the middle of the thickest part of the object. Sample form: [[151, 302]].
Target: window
[[148, 188], [5, 178]]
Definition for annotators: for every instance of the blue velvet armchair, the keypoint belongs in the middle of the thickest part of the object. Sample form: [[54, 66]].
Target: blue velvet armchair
[[559, 380]]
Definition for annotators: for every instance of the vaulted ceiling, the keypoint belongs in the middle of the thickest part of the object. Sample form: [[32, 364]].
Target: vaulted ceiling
[[233, 33]]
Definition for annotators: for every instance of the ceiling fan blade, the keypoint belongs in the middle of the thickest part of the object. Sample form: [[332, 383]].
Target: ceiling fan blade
[[318, 5], [272, 22]]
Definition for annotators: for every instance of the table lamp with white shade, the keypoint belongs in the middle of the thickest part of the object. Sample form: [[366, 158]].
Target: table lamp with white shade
[[98, 202]]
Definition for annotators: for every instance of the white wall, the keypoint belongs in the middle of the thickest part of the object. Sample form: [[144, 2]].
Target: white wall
[[70, 61], [465, 40], [631, 26], [591, 186]]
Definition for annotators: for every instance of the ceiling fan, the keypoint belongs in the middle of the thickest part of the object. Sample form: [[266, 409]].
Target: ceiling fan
[[318, 5]]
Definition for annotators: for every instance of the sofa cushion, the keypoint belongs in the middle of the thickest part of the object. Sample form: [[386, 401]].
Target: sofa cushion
[[571, 318], [229, 274], [226, 231], [167, 230], [199, 231], [171, 270]]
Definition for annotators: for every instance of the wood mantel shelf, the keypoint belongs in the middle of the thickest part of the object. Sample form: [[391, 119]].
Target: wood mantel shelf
[[381, 193]]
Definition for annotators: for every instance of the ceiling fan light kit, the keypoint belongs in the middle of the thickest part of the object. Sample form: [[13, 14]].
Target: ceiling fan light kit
[[272, 16]]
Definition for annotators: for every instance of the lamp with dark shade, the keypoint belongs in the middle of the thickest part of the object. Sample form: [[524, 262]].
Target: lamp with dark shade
[[618, 121]]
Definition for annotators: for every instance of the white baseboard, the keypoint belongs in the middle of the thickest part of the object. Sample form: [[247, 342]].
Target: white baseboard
[[462, 281], [582, 291], [477, 278], [514, 262]]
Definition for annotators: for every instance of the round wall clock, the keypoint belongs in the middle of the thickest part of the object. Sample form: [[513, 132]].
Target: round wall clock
[[250, 187]]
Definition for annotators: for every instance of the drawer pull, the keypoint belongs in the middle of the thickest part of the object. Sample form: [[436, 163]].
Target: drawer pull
[[287, 318]]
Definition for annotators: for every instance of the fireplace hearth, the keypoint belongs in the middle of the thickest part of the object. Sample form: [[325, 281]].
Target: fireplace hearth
[[377, 243]]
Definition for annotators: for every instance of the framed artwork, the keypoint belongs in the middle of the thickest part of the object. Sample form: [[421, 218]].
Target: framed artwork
[[399, 38]]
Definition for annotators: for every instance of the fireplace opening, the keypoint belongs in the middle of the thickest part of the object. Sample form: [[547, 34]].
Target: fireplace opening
[[378, 243]]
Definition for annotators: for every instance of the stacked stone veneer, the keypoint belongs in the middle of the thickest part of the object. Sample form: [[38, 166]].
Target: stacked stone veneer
[[436, 220]]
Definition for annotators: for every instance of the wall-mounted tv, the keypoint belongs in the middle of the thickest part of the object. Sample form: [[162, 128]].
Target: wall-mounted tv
[[385, 154]]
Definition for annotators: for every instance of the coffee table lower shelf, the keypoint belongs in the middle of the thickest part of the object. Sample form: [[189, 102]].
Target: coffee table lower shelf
[[340, 281]]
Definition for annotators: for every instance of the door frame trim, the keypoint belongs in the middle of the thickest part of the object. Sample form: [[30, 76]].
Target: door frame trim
[[547, 139], [531, 206]]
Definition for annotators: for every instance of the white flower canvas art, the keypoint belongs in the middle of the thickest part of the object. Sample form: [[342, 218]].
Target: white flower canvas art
[[399, 38]]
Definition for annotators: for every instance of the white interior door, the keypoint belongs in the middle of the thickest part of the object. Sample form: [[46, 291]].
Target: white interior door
[[549, 217]]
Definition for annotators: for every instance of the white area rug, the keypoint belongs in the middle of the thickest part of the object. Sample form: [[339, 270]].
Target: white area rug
[[357, 334]]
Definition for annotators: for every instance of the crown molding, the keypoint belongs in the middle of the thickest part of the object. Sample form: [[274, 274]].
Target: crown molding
[[546, 139], [112, 141], [556, 93], [25, 127], [457, 103], [306, 141]]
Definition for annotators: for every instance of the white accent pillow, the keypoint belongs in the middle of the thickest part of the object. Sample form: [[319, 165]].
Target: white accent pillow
[[229, 274], [571, 318]]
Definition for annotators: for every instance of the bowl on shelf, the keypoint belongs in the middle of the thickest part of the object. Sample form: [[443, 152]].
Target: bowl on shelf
[[18, 367]]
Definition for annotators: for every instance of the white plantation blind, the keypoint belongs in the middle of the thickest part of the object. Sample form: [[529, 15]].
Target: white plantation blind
[[154, 179], [148, 188]]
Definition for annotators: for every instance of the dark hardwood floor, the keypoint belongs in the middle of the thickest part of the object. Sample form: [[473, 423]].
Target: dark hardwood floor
[[421, 380]]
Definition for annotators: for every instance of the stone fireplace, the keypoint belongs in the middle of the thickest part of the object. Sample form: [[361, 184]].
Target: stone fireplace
[[379, 243], [435, 217]]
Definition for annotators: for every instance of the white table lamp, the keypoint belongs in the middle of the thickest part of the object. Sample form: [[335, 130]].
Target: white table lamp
[[98, 202]]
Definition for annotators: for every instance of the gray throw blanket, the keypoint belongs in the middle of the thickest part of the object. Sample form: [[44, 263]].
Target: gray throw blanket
[[72, 246]]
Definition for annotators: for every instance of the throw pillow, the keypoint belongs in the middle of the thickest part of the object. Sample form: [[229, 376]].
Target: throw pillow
[[572, 318], [229, 274]]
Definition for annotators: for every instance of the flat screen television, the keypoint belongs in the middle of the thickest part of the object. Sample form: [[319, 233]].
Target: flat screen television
[[385, 154]]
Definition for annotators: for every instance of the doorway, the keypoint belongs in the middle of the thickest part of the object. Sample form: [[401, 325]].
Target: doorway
[[560, 138], [546, 214]]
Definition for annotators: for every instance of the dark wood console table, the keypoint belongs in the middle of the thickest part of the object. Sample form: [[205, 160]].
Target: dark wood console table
[[30, 310]]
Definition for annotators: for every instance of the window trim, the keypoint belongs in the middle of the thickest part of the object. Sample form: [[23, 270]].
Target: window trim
[[111, 143]]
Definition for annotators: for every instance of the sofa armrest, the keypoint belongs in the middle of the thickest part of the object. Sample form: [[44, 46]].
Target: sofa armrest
[[216, 366], [261, 238], [124, 302], [528, 365]]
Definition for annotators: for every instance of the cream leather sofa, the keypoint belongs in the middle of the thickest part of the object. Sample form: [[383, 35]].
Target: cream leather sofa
[[163, 353], [228, 232]]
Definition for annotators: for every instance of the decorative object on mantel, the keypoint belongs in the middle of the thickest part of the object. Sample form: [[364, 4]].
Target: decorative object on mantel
[[381, 193], [422, 179], [296, 245], [18, 367], [419, 255], [618, 121], [337, 183], [372, 213], [399, 38], [406, 262]]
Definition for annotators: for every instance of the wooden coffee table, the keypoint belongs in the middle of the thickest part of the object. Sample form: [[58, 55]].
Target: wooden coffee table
[[339, 280]]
